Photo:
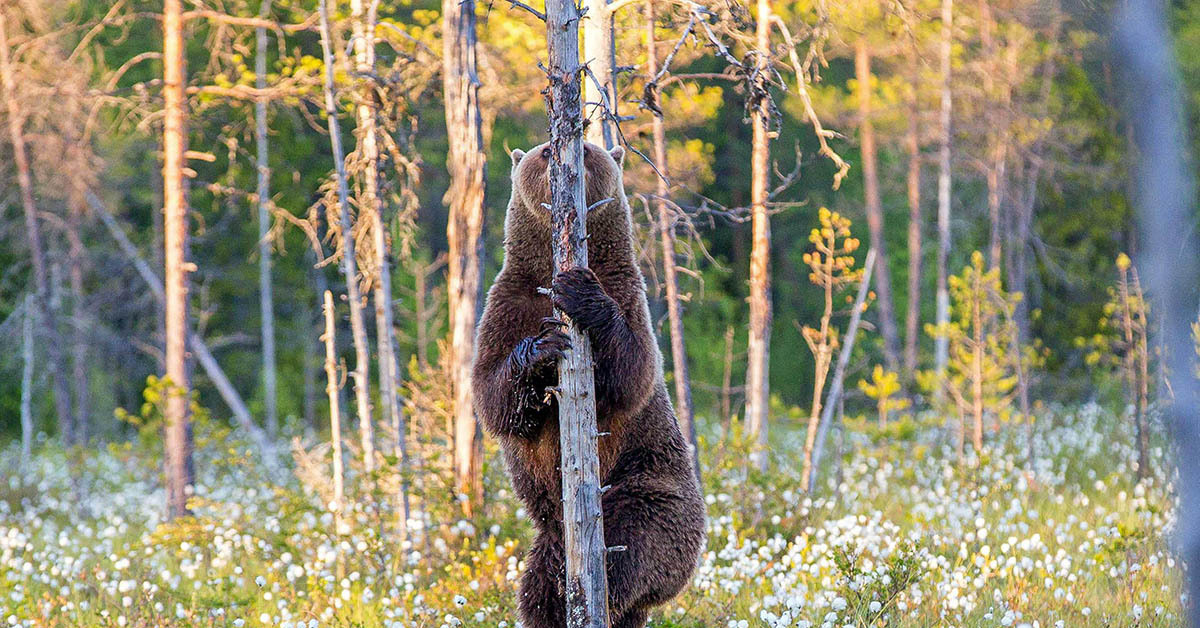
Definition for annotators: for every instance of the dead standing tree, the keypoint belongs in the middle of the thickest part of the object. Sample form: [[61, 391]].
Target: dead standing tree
[[467, 163], [583, 525], [358, 327]]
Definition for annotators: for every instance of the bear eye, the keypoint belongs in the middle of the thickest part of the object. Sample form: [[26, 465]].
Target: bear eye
[[546, 153]]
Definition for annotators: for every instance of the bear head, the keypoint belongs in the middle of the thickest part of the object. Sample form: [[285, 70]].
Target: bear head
[[531, 180]]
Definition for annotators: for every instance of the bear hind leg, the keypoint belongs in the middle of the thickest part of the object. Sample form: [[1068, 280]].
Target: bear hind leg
[[541, 602]]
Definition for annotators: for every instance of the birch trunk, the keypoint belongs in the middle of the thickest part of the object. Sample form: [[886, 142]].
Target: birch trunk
[[666, 227], [358, 328], [33, 234], [834, 397], [79, 320], [583, 523], [467, 163], [265, 300], [175, 277], [599, 52], [874, 206], [758, 345], [27, 382], [941, 347]]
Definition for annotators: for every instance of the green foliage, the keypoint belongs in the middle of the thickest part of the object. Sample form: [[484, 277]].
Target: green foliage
[[882, 386]]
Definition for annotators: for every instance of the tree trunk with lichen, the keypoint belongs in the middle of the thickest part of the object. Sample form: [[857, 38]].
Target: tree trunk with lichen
[[583, 524]]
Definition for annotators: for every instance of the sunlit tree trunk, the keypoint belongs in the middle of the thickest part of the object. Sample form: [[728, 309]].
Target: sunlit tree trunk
[[467, 163], [175, 277], [758, 346], [33, 235], [599, 50], [666, 229], [358, 327], [941, 349], [583, 524], [977, 347], [874, 206], [265, 300]]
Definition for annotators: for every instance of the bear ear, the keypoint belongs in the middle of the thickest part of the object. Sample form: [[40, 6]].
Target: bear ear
[[516, 155], [618, 155]]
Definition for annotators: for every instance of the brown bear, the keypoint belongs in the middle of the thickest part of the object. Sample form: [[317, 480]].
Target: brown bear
[[652, 506]]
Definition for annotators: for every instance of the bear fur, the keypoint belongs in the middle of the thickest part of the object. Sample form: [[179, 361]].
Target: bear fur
[[653, 507]]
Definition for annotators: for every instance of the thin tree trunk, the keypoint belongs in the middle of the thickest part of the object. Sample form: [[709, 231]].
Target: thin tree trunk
[[332, 385], [237, 407], [912, 319], [758, 346], [583, 524], [79, 320], [977, 346], [995, 145], [727, 380], [599, 50], [839, 374], [27, 382], [1142, 394], [467, 163], [265, 300], [666, 229], [33, 234], [874, 206], [175, 277], [358, 327], [941, 347]]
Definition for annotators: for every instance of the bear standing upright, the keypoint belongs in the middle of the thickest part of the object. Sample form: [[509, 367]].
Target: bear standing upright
[[653, 506]]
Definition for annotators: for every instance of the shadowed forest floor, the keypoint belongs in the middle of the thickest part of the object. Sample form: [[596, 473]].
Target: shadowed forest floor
[[899, 534]]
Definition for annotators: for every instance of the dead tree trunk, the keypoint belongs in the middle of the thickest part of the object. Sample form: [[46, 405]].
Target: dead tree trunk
[[599, 50], [33, 234], [358, 327], [175, 277], [666, 229], [265, 300], [941, 347], [758, 345], [583, 524], [834, 397], [874, 206], [912, 319], [332, 385], [467, 163]]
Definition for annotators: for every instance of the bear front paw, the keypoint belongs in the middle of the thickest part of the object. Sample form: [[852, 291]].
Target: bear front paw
[[578, 294], [547, 347]]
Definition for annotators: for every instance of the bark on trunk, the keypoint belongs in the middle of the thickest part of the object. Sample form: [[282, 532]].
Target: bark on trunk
[[358, 327], [666, 228], [583, 524], [79, 320], [941, 347], [758, 345], [874, 206], [33, 234], [175, 276], [599, 50], [265, 300], [467, 163]]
